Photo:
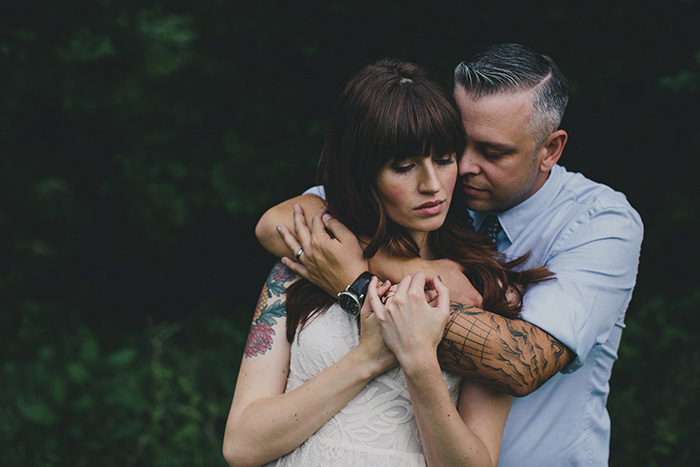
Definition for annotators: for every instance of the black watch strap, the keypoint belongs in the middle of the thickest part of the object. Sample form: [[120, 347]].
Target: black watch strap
[[360, 285]]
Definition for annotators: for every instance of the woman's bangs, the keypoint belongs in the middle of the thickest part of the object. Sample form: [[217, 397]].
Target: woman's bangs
[[425, 126]]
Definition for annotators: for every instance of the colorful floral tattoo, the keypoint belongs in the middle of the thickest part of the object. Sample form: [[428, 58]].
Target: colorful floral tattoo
[[271, 305]]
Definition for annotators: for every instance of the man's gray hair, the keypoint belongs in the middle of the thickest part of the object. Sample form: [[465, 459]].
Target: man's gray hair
[[512, 68]]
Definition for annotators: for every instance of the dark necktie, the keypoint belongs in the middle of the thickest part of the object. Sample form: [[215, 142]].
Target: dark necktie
[[491, 227]]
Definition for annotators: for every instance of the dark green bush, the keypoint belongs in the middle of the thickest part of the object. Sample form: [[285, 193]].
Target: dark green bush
[[159, 399]]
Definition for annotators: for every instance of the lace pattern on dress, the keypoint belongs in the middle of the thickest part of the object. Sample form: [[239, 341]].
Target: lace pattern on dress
[[377, 427]]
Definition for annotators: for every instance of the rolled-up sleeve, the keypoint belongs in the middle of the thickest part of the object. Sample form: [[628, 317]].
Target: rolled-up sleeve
[[595, 259]]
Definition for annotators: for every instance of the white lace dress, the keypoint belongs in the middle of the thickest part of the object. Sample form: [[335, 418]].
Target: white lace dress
[[377, 427]]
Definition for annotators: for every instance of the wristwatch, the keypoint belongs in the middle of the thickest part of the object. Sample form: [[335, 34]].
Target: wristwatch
[[352, 298]]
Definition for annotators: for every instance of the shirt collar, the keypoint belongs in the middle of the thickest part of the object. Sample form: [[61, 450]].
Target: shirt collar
[[515, 219]]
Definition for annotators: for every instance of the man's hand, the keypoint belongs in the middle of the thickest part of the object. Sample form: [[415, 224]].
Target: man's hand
[[328, 254]]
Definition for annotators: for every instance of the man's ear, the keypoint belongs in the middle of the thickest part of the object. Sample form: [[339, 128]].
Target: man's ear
[[552, 148]]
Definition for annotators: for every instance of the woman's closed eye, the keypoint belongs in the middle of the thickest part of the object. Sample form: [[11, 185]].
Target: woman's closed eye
[[402, 168], [406, 166], [446, 160]]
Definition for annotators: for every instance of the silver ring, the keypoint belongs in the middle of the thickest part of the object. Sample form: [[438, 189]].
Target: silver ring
[[301, 250]]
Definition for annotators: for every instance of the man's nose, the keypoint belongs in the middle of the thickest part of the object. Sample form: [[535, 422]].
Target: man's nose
[[469, 162]]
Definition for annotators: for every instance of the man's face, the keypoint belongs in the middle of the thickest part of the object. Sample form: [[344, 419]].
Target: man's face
[[500, 166]]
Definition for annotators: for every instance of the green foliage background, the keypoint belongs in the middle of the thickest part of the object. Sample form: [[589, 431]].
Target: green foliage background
[[140, 141]]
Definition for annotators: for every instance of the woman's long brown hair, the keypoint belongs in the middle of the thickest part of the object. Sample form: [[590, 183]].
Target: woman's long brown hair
[[393, 110]]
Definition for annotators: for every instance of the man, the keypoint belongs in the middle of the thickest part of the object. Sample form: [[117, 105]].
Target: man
[[512, 100]]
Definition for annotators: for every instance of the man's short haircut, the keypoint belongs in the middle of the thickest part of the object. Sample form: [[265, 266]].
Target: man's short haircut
[[511, 68]]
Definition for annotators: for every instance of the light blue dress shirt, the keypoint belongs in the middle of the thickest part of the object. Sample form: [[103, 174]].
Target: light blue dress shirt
[[590, 237]]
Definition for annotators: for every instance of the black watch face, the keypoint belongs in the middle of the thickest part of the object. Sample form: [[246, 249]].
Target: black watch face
[[348, 302]]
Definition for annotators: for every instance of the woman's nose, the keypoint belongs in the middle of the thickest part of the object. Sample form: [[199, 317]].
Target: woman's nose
[[429, 183]]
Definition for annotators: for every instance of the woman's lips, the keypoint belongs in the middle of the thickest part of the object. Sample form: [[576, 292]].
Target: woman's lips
[[430, 208]]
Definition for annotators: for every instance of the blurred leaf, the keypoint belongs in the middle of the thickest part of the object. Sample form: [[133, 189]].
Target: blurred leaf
[[122, 358], [37, 412], [90, 351], [77, 373], [685, 81], [58, 390], [86, 46], [169, 37]]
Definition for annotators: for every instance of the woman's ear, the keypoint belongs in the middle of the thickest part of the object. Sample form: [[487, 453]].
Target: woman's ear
[[551, 150]]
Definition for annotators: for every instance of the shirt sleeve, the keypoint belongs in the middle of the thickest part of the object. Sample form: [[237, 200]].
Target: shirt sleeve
[[317, 190], [595, 261]]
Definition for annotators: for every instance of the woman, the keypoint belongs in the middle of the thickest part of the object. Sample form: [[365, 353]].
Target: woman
[[328, 396]]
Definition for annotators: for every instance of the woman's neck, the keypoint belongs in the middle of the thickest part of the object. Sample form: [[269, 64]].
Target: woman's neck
[[421, 239]]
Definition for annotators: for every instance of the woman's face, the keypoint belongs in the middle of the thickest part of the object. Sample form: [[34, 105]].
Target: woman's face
[[416, 192]]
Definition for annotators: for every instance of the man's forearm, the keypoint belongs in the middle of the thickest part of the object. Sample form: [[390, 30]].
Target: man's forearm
[[509, 355], [394, 269], [283, 214]]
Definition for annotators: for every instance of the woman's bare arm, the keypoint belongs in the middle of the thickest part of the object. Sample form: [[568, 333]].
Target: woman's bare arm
[[264, 422]]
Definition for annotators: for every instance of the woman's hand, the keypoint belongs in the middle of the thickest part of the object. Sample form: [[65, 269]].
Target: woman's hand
[[371, 338], [413, 319], [327, 253]]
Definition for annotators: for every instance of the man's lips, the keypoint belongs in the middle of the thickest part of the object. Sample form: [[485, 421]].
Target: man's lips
[[431, 207], [471, 190]]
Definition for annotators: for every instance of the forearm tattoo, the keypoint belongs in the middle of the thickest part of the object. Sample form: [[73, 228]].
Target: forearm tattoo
[[508, 355], [271, 305]]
